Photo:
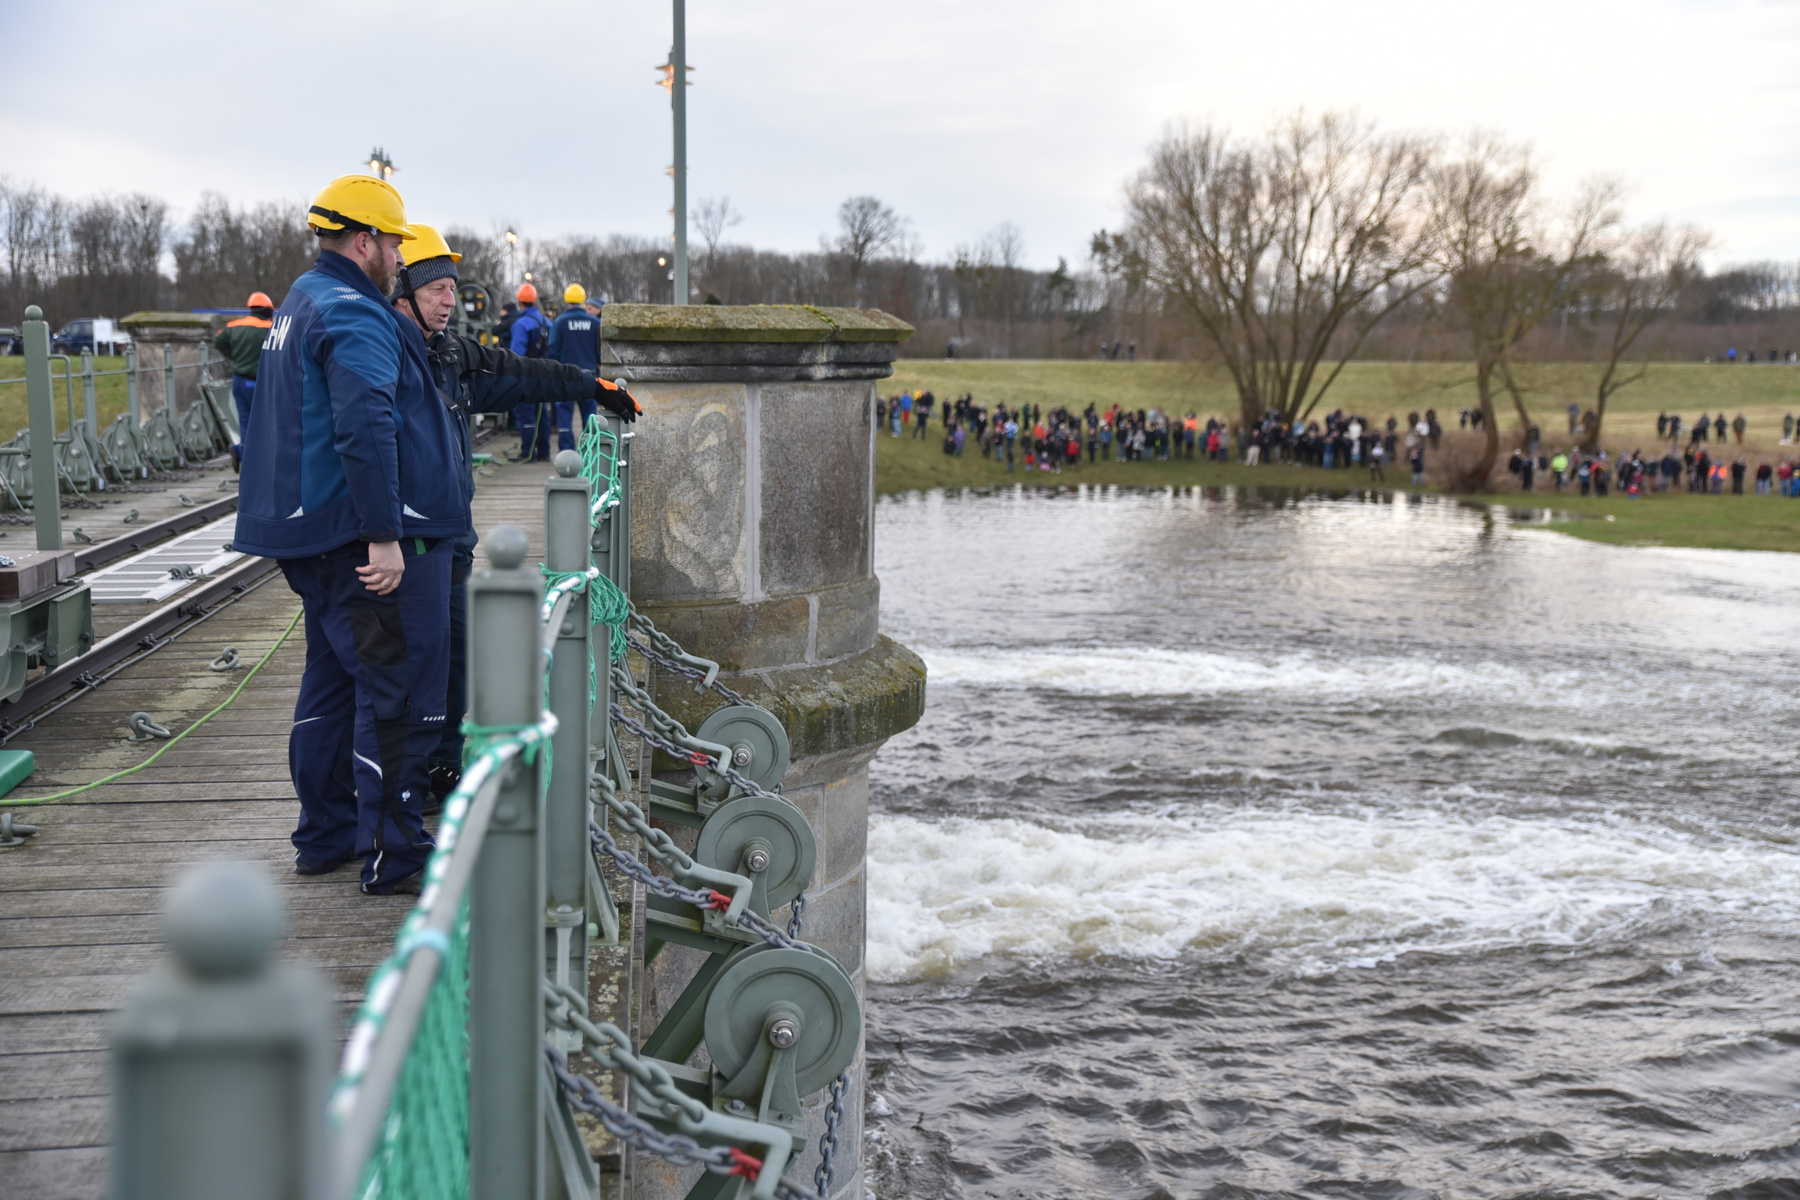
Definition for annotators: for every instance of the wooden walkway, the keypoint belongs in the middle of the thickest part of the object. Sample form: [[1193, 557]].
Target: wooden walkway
[[79, 901]]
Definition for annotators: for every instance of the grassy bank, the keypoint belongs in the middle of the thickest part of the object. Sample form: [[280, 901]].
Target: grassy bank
[[109, 392], [1678, 519]]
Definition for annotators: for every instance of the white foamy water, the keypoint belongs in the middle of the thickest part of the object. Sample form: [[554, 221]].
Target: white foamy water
[[1143, 671], [1303, 891], [1155, 671]]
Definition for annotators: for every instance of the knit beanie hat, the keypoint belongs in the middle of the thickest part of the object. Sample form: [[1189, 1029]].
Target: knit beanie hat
[[417, 275]]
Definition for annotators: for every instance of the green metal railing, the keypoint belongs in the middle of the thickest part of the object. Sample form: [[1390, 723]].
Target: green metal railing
[[457, 1080], [87, 457]]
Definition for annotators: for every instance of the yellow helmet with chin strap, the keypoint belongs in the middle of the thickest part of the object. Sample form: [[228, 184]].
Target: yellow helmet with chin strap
[[426, 243], [359, 202], [574, 294], [425, 257]]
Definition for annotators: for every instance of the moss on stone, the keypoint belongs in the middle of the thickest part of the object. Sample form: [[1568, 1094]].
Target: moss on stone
[[846, 705], [748, 323], [180, 320]]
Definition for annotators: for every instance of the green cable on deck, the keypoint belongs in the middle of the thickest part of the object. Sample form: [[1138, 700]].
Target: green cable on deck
[[170, 744]]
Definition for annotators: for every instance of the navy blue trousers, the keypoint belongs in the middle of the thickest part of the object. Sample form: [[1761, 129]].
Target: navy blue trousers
[[371, 707], [456, 693], [243, 391], [534, 434], [568, 436]]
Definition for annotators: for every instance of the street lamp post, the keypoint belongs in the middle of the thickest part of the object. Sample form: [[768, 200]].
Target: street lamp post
[[512, 255], [380, 165], [676, 69]]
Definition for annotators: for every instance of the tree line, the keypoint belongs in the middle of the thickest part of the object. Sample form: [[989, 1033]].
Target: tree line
[[1277, 256]]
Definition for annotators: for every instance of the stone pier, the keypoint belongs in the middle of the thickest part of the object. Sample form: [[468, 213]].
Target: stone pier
[[753, 492]]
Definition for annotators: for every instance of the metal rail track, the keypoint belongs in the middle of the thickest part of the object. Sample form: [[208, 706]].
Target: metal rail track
[[145, 536], [140, 638]]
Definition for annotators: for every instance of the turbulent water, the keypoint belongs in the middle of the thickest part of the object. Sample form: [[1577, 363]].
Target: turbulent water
[[1330, 848]]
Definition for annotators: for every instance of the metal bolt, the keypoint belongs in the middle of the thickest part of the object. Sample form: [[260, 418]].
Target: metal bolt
[[740, 755], [757, 860], [737, 1106], [783, 1034]]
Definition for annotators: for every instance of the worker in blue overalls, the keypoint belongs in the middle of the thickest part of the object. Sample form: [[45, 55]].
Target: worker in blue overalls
[[530, 338], [353, 484], [575, 340], [476, 378]]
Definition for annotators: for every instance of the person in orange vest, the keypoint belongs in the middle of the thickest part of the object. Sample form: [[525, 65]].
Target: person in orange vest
[[241, 342]]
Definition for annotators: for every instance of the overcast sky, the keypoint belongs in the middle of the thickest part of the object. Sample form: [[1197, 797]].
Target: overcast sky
[[961, 114]]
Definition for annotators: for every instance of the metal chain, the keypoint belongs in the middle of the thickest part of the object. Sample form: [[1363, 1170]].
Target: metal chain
[[661, 885], [609, 1045], [825, 1175], [797, 916], [634, 1131], [658, 842], [637, 729], [766, 930], [676, 665]]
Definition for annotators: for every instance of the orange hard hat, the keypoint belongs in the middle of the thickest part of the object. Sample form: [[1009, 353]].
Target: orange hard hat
[[527, 294], [259, 300]]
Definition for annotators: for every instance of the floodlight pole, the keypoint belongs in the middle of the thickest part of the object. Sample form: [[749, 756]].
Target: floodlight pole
[[678, 101]]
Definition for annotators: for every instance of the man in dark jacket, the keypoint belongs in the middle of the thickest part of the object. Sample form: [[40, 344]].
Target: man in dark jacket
[[575, 340], [353, 483], [241, 342], [529, 337], [475, 378]]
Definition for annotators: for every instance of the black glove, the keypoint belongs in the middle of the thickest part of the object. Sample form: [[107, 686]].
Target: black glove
[[616, 400]]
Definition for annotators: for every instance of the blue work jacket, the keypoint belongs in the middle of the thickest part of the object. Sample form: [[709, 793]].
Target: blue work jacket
[[528, 322], [575, 339], [348, 440]]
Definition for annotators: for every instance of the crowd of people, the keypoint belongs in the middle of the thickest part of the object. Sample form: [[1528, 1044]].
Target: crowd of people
[[1054, 439]]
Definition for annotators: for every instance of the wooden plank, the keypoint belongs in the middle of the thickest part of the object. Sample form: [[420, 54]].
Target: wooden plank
[[328, 921], [61, 1124], [116, 958], [70, 1174], [81, 1032], [103, 994], [302, 894], [53, 1076]]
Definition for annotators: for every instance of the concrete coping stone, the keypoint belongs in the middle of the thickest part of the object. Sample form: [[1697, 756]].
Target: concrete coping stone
[[748, 323], [167, 326]]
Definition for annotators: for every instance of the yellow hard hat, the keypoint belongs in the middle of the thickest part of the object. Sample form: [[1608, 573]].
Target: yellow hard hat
[[574, 294], [359, 202], [426, 243]]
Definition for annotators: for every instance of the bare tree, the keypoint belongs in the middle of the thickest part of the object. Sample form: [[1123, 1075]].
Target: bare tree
[[227, 252], [1504, 274], [712, 219], [1008, 256], [1282, 252], [1647, 274], [866, 227]]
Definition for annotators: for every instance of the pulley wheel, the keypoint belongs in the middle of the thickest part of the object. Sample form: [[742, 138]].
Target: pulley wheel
[[830, 1024], [758, 742], [771, 825]]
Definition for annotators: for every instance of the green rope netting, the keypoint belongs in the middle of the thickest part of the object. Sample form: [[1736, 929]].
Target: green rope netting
[[600, 467], [424, 1149]]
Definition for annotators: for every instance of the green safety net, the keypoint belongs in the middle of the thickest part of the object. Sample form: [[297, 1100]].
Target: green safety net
[[424, 1149], [600, 467]]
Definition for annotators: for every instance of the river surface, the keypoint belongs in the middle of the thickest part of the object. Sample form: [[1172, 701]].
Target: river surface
[[1258, 846]]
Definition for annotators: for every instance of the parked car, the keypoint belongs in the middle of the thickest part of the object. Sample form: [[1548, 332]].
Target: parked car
[[11, 341], [96, 334]]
